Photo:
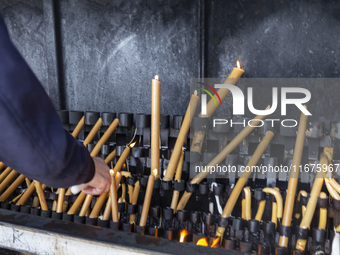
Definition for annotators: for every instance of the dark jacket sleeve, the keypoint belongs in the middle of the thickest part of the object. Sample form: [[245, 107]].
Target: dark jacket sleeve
[[32, 139]]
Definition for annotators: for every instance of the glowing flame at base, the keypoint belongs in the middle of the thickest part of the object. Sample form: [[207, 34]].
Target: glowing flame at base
[[202, 242], [216, 243], [184, 233]]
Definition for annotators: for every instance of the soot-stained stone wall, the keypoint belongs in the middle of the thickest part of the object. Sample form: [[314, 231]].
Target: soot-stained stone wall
[[112, 50], [31, 27], [273, 38]]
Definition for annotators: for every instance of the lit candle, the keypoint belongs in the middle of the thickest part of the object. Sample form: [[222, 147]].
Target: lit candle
[[223, 92], [123, 157], [147, 199], [197, 142], [113, 196], [155, 122], [189, 115]]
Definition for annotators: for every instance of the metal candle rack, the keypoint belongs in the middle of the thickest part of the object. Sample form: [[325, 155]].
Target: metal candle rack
[[200, 218]]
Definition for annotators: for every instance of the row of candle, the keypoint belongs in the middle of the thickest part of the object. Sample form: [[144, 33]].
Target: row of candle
[[155, 131], [175, 158]]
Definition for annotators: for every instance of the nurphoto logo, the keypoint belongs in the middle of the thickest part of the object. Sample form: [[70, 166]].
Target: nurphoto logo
[[238, 99]]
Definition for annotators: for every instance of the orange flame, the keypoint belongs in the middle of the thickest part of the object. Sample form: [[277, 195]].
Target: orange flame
[[202, 242], [112, 172], [216, 243], [238, 64], [132, 144], [156, 77], [184, 233], [155, 172]]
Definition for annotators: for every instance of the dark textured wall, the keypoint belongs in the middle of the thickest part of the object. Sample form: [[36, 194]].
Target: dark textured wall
[[31, 27], [273, 38], [110, 50]]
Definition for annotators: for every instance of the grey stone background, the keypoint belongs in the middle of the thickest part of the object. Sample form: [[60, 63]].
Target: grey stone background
[[101, 55]]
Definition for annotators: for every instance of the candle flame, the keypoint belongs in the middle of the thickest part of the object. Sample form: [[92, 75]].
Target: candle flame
[[132, 145], [202, 242], [216, 243], [195, 92], [156, 77], [184, 233], [238, 64], [155, 172], [112, 172]]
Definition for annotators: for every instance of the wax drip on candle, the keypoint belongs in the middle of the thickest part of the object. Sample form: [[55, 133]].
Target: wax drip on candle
[[238, 64], [156, 77]]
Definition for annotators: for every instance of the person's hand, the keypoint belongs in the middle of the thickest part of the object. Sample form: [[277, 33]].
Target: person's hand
[[101, 180]]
